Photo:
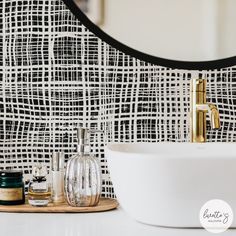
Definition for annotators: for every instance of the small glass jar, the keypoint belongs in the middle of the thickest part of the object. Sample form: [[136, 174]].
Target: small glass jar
[[39, 193], [12, 190]]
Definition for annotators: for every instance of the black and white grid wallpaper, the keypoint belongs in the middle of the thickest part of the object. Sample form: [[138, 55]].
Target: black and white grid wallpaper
[[55, 75]]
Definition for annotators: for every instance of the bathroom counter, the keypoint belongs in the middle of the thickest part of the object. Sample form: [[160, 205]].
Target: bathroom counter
[[112, 223]]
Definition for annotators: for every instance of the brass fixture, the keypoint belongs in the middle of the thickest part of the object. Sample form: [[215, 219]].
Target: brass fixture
[[198, 109]]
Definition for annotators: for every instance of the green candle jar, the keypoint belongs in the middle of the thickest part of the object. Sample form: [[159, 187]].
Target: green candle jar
[[12, 190]]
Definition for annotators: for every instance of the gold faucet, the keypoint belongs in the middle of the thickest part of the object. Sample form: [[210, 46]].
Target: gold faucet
[[199, 108]]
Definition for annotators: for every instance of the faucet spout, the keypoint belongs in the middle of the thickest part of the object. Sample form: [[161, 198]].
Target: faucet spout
[[213, 112], [214, 116]]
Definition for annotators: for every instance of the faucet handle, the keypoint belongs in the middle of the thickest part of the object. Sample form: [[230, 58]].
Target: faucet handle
[[198, 85]]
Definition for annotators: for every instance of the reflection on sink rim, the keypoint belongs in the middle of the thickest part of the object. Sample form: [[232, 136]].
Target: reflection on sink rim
[[174, 149]]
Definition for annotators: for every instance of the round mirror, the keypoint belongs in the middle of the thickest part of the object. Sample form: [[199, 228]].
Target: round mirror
[[183, 30]]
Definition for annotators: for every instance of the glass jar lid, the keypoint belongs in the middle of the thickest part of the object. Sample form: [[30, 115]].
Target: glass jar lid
[[11, 173]]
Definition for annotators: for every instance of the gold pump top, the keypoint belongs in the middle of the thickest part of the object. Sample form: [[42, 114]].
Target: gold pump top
[[198, 85]]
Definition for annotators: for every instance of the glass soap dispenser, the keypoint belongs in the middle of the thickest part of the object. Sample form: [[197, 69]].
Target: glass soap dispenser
[[83, 175], [39, 189]]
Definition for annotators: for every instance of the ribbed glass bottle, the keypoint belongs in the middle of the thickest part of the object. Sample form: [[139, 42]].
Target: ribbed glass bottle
[[83, 175]]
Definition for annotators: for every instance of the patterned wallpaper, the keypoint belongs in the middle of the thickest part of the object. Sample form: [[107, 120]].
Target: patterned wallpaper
[[55, 74]]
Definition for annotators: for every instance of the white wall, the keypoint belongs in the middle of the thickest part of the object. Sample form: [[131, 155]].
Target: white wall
[[174, 29], [227, 28]]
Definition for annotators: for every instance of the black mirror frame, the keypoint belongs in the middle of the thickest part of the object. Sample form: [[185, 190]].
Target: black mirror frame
[[188, 65]]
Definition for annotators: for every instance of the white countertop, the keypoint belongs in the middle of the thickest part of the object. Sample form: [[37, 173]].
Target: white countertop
[[112, 223]]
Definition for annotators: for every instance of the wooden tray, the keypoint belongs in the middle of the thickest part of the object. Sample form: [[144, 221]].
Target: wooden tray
[[105, 204]]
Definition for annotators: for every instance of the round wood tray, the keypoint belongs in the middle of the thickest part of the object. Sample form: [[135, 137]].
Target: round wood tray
[[105, 204]]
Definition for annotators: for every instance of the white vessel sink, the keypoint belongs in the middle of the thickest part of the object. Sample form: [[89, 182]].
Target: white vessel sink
[[166, 184]]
